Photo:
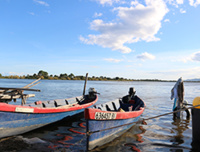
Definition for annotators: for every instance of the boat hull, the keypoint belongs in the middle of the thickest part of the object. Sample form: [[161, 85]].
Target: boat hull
[[16, 119], [107, 121], [19, 123], [104, 131]]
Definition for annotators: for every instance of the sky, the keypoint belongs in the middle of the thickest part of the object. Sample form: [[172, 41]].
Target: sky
[[134, 39]]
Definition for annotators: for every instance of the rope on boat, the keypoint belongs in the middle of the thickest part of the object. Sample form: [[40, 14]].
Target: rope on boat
[[91, 132], [183, 109]]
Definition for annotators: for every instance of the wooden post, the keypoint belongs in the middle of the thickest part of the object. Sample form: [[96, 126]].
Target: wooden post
[[86, 77], [178, 114], [196, 125]]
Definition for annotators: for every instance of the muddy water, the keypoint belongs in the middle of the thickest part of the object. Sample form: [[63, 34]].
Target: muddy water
[[159, 134]]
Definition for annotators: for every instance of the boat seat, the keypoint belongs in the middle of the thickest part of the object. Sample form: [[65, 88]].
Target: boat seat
[[107, 108], [100, 106], [79, 99], [97, 106], [110, 107], [114, 106], [66, 101], [60, 102], [43, 105], [117, 103], [103, 109], [48, 104], [35, 104], [39, 105], [71, 100]]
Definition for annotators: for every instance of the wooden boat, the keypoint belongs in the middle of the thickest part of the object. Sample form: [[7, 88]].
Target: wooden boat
[[18, 119], [105, 122]]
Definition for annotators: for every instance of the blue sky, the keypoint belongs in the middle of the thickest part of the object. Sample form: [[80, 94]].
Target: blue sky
[[151, 39]]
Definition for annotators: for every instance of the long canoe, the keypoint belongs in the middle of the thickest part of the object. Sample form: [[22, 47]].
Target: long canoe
[[105, 122], [18, 119]]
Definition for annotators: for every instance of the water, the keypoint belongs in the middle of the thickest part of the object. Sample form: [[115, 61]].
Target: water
[[160, 134]]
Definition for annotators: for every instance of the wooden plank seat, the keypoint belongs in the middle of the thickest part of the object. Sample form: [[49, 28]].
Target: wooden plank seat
[[49, 104], [98, 107], [56, 103], [116, 104], [111, 106], [60, 102]]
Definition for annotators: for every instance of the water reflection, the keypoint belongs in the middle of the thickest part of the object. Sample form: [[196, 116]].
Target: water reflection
[[179, 126], [129, 141], [72, 138]]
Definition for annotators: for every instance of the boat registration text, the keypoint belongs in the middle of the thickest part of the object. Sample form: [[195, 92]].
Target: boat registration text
[[102, 115], [26, 110]]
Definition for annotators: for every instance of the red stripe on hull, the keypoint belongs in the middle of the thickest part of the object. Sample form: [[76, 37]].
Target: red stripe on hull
[[12, 108], [90, 113]]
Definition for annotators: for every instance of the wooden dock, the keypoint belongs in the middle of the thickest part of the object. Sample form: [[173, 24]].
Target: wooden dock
[[9, 94]]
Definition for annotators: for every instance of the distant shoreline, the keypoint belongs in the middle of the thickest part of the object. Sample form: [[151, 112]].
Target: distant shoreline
[[45, 76], [90, 79]]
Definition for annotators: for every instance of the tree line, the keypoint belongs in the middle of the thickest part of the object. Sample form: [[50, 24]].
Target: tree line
[[44, 75]]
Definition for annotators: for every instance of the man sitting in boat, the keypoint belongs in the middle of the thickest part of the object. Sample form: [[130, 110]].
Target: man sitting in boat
[[131, 101], [131, 98], [92, 93]]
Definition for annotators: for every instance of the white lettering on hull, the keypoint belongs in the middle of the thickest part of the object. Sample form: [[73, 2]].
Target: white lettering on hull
[[104, 116], [25, 110]]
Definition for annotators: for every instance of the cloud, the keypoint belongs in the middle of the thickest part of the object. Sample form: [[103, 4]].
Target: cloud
[[135, 23], [195, 56], [195, 4], [166, 20], [175, 3], [182, 11], [95, 67], [145, 56], [113, 60], [32, 13], [12, 73], [135, 3], [97, 14], [174, 74], [109, 2], [41, 2], [179, 1]]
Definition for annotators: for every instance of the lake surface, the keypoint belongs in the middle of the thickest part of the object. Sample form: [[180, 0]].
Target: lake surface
[[159, 134]]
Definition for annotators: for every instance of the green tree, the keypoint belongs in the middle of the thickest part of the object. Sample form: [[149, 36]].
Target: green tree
[[43, 73], [63, 76], [35, 76], [71, 76], [116, 78]]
